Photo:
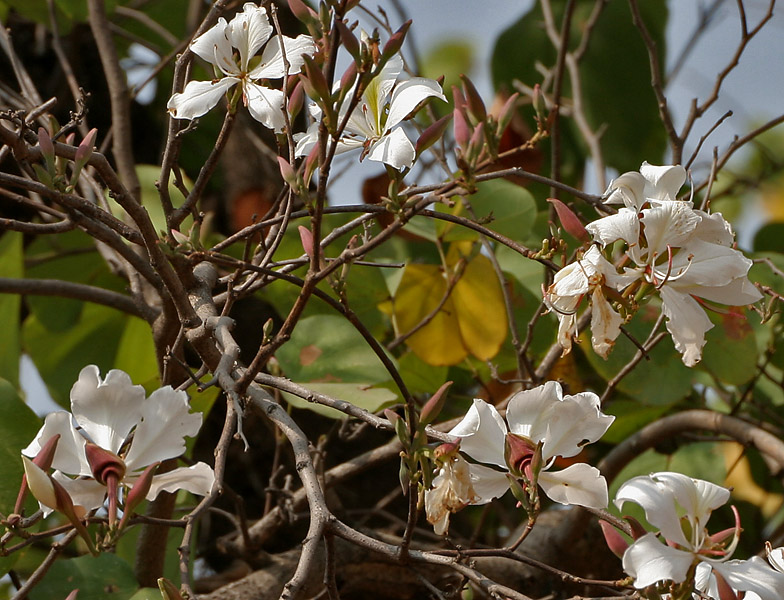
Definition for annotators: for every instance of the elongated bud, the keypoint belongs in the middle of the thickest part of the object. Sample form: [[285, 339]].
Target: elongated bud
[[637, 529], [395, 42], [519, 452], [306, 236], [43, 460], [302, 12], [432, 407], [296, 99], [350, 41], [85, 149], [288, 173], [458, 100], [348, 79], [539, 104], [391, 416], [47, 149], [72, 595], [168, 590], [507, 113], [477, 143], [311, 162], [474, 101], [313, 80], [518, 492], [432, 134], [138, 492], [569, 221], [462, 131], [615, 541]]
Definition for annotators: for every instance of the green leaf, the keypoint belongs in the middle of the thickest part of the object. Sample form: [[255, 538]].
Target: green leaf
[[59, 356], [362, 395], [146, 594], [730, 351], [768, 237], [630, 417], [659, 382], [18, 426], [327, 348], [420, 377], [12, 266], [449, 59], [504, 207], [136, 353], [96, 577]]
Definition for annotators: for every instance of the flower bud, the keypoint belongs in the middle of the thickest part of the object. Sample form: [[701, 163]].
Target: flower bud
[[103, 463], [462, 132], [432, 134], [296, 99], [446, 449], [314, 79], [138, 492], [394, 43], [302, 12], [85, 149], [476, 106], [433, 407], [43, 460], [348, 79], [349, 40], [168, 590], [306, 237], [615, 541], [519, 452], [507, 114], [570, 222], [288, 173]]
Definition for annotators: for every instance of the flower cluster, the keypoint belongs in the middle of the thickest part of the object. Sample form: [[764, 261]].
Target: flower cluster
[[118, 439], [541, 425], [231, 49], [683, 253], [682, 556]]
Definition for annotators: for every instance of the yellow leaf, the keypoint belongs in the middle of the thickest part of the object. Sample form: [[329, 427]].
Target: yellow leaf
[[472, 320]]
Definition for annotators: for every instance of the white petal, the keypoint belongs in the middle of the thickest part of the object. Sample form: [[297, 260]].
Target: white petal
[[605, 324], [752, 575], [212, 43], [248, 31], [686, 322], [271, 65], [738, 292], [567, 331], [408, 95], [627, 190], [483, 434], [663, 182], [572, 422], [106, 409], [699, 498], [650, 561], [487, 483], [714, 229], [624, 225], [69, 455], [578, 484], [393, 149], [381, 86], [87, 493], [658, 502], [39, 484], [197, 479], [165, 422], [306, 141], [266, 106], [529, 411], [198, 97], [776, 558], [710, 264], [670, 224]]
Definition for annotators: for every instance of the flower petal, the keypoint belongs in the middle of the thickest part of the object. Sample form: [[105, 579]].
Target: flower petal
[[483, 433], [106, 409], [529, 411], [663, 183], [571, 423], [87, 493], [214, 47], [165, 422], [658, 502], [197, 479], [627, 189], [578, 484], [69, 455], [668, 224], [40, 485], [752, 575], [650, 561], [393, 149], [408, 95], [487, 483], [686, 322], [198, 97], [624, 225], [271, 65], [265, 105], [248, 31], [605, 324]]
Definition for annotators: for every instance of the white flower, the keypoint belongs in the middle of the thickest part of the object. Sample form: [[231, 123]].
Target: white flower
[[679, 507], [574, 281], [231, 48], [683, 252], [542, 420], [373, 125], [452, 490], [130, 430]]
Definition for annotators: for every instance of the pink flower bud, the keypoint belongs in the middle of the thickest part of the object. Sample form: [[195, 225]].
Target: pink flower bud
[[43, 460], [304, 13], [433, 407], [519, 452], [287, 172], [138, 492], [475, 104], [45, 143], [103, 463], [570, 222], [462, 131], [615, 541], [447, 448], [296, 99], [432, 134], [507, 113], [395, 42], [306, 236], [349, 40], [85, 149]]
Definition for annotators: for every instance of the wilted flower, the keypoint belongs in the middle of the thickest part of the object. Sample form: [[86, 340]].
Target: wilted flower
[[679, 507], [452, 491], [543, 424], [231, 49], [373, 125], [118, 434]]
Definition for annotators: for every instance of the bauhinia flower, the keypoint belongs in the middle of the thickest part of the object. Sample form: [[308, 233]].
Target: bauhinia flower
[[231, 48], [685, 254], [118, 438], [683, 556], [589, 275], [543, 424], [374, 123]]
